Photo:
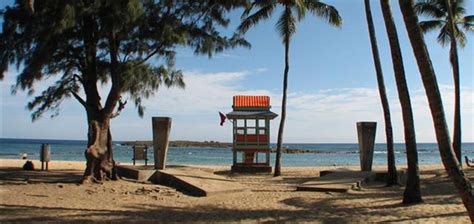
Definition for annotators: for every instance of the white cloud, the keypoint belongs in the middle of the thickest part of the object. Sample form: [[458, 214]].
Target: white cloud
[[328, 115], [204, 93]]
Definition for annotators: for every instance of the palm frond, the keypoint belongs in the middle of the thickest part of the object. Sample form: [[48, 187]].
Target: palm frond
[[468, 23], [431, 8], [427, 26], [256, 4], [443, 36], [301, 8], [324, 11], [458, 8], [262, 3], [437, 9], [460, 37], [247, 11], [252, 20], [286, 25]]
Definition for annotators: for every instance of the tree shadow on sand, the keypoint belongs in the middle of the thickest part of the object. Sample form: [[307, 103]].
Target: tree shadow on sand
[[19, 176], [157, 213], [386, 201], [437, 190]]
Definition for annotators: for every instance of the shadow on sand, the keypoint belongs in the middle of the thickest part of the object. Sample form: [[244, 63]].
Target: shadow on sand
[[12, 175], [297, 209]]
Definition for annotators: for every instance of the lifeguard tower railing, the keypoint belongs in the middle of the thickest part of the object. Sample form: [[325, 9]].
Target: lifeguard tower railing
[[251, 137]]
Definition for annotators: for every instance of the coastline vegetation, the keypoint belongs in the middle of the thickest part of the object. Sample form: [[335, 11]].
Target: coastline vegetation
[[212, 144]]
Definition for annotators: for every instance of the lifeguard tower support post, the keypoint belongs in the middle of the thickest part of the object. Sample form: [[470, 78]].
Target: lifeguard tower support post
[[251, 117]]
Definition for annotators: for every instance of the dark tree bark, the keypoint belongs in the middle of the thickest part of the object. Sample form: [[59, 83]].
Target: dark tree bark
[[392, 178], [453, 57], [283, 108], [412, 192], [451, 164], [99, 154]]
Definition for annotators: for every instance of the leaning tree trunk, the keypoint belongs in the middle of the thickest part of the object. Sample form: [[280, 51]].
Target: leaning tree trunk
[[453, 56], [457, 144], [392, 178], [283, 110], [412, 192], [428, 76]]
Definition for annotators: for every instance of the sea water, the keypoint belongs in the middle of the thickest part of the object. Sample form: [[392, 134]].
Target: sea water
[[325, 154]]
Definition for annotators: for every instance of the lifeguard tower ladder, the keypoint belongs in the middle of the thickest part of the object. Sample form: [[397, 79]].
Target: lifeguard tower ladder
[[251, 117]]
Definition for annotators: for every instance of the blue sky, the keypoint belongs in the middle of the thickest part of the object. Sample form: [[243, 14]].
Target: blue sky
[[332, 85]]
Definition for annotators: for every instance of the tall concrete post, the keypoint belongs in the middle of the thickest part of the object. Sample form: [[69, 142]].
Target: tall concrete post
[[366, 135], [161, 132]]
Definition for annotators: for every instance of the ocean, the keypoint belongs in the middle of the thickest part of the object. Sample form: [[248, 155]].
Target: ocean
[[326, 154]]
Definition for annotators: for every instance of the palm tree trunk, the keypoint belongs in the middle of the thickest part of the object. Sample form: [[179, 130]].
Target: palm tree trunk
[[428, 76], [392, 178], [457, 144], [412, 192], [453, 56], [283, 109]]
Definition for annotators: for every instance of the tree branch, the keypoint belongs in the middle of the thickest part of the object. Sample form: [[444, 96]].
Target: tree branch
[[79, 98], [76, 76], [161, 45], [150, 55], [117, 82], [120, 108]]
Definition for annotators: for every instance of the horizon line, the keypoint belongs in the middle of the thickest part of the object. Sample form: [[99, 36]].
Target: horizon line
[[224, 142]]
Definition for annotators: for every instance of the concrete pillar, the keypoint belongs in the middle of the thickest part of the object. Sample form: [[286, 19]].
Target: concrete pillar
[[161, 132], [366, 135], [45, 155]]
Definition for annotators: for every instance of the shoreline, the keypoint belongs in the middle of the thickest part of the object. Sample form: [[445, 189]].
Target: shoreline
[[80, 165]]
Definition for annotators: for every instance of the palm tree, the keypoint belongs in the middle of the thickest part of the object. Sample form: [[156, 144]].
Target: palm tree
[[412, 192], [293, 12], [438, 11], [430, 83], [392, 169]]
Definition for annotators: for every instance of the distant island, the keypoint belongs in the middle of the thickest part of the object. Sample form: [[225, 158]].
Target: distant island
[[181, 143], [213, 144]]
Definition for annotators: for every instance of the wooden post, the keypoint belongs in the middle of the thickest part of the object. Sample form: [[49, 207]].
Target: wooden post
[[366, 136], [234, 154], [245, 131], [161, 131], [267, 131]]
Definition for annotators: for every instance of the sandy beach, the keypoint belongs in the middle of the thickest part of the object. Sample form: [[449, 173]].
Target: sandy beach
[[56, 196]]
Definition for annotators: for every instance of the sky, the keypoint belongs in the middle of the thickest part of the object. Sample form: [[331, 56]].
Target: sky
[[332, 86]]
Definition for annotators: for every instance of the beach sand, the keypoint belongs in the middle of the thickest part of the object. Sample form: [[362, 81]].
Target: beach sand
[[55, 196]]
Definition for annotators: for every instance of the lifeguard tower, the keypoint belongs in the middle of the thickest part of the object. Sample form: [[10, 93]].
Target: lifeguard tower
[[251, 149]]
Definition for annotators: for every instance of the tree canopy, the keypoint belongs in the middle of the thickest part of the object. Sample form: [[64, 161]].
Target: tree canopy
[[130, 44], [437, 12], [294, 12]]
